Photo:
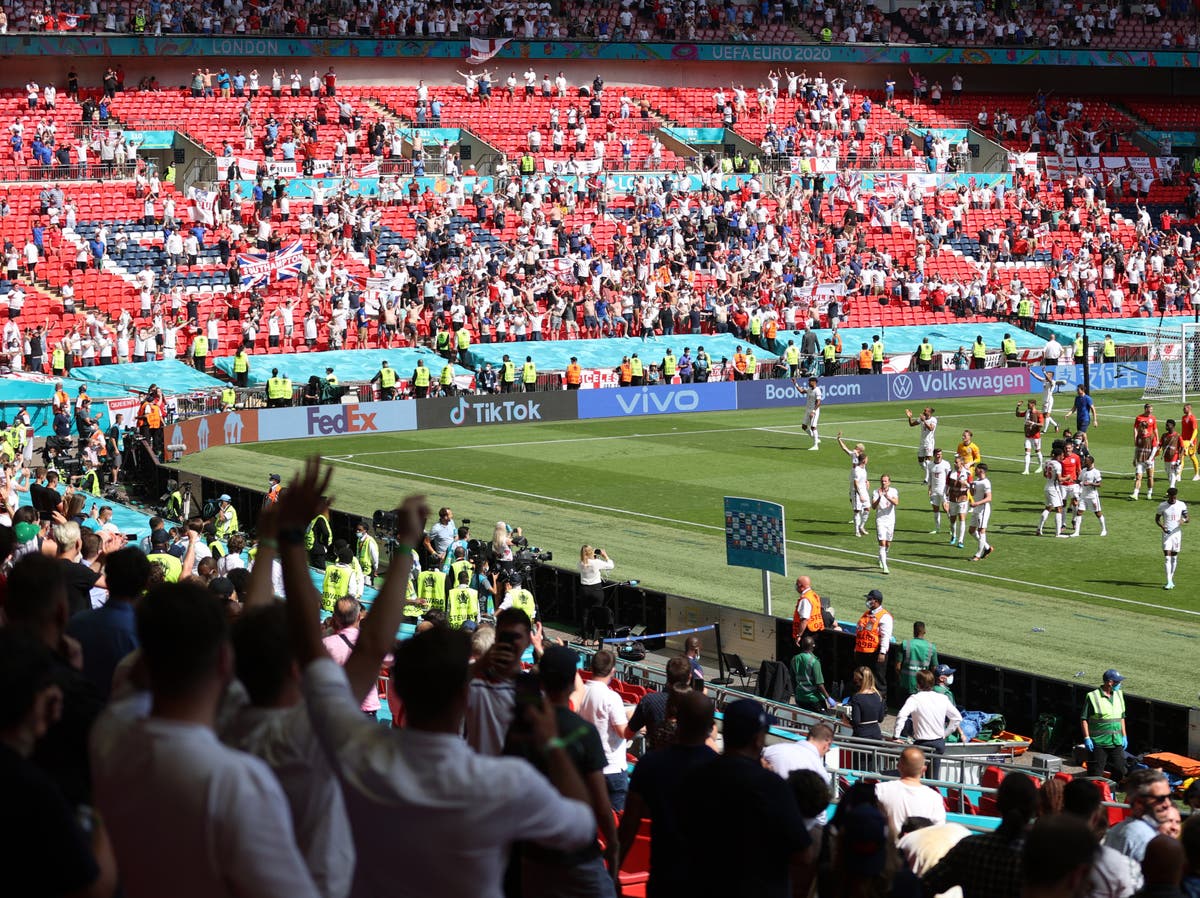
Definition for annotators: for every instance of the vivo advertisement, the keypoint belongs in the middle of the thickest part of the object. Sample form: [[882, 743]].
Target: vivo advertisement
[[1103, 376], [670, 399], [335, 420]]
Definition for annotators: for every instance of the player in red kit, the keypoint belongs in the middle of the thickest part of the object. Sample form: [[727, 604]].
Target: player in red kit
[[1187, 432], [1072, 466], [1151, 422]]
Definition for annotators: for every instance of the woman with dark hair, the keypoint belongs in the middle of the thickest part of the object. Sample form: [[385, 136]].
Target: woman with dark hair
[[989, 865]]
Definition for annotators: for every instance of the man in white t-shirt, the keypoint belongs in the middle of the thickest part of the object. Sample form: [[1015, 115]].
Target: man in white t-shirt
[[885, 500], [928, 424], [785, 757], [155, 757], [937, 469], [1170, 518], [604, 709], [908, 796], [812, 412]]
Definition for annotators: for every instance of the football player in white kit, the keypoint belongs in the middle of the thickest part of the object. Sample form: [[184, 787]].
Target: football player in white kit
[[1035, 423], [812, 411], [1052, 471], [885, 500], [860, 498], [1089, 500], [958, 488], [928, 424], [1049, 388], [981, 510], [937, 469], [1170, 518]]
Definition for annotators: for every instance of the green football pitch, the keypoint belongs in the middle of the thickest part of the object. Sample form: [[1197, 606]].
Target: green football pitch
[[649, 490]]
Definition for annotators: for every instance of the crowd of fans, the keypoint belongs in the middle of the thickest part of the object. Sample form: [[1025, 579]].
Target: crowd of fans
[[549, 254], [1167, 25], [167, 728]]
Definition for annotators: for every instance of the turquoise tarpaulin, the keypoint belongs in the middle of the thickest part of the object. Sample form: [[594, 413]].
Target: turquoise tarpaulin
[[172, 376], [102, 382], [348, 364], [1123, 330]]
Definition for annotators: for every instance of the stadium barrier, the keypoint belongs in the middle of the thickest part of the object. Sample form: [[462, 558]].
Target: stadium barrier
[[251, 425]]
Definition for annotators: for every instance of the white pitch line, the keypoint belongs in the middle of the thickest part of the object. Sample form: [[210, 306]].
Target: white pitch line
[[795, 542]]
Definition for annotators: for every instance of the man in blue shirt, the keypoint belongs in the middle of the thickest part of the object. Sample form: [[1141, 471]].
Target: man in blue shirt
[[109, 633], [1084, 410]]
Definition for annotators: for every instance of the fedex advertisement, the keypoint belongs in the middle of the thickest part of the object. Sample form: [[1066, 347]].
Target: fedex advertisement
[[336, 420], [659, 400]]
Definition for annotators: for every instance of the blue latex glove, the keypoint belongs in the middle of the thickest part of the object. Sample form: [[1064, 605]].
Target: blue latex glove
[[1124, 742], [1091, 746], [830, 702]]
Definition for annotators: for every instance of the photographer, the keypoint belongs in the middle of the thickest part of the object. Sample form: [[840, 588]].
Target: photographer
[[592, 565]]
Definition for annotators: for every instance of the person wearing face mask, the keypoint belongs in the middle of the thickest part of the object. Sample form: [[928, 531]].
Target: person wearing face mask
[[1103, 725], [873, 638], [945, 679]]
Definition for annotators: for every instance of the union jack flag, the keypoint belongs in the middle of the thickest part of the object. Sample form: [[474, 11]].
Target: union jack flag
[[889, 183], [265, 268]]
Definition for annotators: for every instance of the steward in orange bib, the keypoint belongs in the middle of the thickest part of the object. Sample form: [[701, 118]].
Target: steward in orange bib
[[574, 375], [873, 639], [807, 616]]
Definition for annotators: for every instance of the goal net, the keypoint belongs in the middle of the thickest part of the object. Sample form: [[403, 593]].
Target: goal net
[[1173, 363]]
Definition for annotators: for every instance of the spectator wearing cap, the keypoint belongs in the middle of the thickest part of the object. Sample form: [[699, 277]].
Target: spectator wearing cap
[[108, 633], [548, 871], [989, 865], [160, 553], [1103, 725], [604, 709], [226, 521], [264, 714], [222, 820], [873, 638], [1148, 794], [945, 679], [772, 853], [934, 717], [909, 797], [47, 849], [866, 859]]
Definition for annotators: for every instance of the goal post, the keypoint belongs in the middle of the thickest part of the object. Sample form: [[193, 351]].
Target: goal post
[[1173, 363]]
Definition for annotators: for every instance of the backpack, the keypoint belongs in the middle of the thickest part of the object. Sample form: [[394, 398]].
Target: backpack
[[1045, 733], [632, 651]]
